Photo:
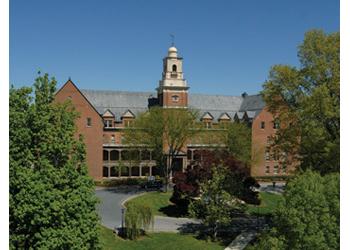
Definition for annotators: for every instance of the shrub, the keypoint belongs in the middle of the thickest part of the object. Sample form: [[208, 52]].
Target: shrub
[[138, 218]]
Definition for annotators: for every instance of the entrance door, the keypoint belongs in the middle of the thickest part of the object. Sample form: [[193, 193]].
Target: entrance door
[[177, 165]]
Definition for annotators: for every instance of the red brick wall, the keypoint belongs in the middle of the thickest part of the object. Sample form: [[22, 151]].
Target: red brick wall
[[259, 145], [168, 101], [93, 135]]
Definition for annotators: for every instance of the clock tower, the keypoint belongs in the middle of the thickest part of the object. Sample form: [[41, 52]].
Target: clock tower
[[173, 90]]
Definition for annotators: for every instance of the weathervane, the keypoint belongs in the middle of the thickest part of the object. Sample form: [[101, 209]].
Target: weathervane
[[172, 40]]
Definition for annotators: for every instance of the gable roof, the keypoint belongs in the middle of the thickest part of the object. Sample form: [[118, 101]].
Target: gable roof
[[108, 113], [207, 116], [224, 116], [128, 114], [118, 102]]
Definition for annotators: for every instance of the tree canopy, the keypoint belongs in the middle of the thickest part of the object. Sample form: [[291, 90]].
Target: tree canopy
[[307, 102], [163, 130], [308, 217], [52, 202]]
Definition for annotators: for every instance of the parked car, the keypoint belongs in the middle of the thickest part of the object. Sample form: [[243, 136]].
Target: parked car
[[152, 185]]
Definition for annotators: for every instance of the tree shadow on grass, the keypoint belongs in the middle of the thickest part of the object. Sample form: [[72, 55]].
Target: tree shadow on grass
[[203, 232], [174, 211]]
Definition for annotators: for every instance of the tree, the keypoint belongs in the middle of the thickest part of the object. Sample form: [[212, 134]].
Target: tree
[[308, 217], [165, 132], [238, 181], [52, 202], [307, 103], [215, 204], [137, 218], [239, 143]]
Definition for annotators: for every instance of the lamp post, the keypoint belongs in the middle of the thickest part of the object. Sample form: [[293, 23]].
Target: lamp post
[[123, 210]]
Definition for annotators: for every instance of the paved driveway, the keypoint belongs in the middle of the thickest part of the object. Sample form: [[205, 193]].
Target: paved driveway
[[109, 210]]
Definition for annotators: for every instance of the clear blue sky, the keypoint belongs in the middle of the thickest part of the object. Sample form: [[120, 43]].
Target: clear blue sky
[[228, 46]]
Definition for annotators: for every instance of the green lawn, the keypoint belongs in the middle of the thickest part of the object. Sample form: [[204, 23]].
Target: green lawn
[[155, 200], [268, 204], [167, 241]]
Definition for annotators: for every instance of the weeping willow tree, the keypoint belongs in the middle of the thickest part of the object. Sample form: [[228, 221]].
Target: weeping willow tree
[[138, 218]]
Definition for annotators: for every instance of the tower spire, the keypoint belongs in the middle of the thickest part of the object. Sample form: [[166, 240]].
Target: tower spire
[[172, 37]]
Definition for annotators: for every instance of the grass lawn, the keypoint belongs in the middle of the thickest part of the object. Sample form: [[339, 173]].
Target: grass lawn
[[155, 200], [268, 204], [168, 241]]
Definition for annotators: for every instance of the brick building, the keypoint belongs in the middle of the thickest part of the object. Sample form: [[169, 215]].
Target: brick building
[[104, 115]]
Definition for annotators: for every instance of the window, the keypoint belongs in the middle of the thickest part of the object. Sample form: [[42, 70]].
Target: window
[[275, 169], [267, 169], [267, 155], [276, 156], [189, 155], [105, 155], [284, 156], [105, 171], [262, 125], [145, 171], [114, 155], [88, 122], [175, 98], [276, 124], [284, 168], [208, 124], [145, 155], [124, 171], [135, 171], [174, 68], [114, 171], [108, 123], [113, 139], [128, 122]]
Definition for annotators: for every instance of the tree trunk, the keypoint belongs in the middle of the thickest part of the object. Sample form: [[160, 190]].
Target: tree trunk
[[215, 230]]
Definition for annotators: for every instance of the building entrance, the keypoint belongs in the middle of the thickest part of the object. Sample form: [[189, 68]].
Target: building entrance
[[177, 165]]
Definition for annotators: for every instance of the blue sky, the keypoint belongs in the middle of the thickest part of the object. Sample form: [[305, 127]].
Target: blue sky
[[228, 46]]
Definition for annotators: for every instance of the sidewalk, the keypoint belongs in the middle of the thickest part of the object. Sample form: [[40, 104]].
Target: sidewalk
[[241, 241]]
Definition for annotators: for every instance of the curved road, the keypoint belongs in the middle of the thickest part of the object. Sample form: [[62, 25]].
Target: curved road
[[110, 206]]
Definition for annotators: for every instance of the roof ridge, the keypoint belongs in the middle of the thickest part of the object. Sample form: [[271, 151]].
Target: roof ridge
[[152, 92]]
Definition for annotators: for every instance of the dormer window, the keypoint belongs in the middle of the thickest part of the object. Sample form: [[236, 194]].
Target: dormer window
[[207, 118], [208, 124], [175, 98], [108, 123], [108, 119]]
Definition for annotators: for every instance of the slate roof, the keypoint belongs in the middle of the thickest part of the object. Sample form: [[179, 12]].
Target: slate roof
[[119, 102]]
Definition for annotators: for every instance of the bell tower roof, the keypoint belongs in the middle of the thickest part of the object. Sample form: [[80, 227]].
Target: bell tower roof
[[172, 52], [173, 89]]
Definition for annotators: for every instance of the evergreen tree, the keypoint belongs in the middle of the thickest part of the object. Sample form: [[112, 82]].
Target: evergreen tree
[[52, 202]]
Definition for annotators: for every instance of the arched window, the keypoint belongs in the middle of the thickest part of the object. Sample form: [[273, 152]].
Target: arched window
[[105, 171], [114, 171], [174, 68], [114, 155]]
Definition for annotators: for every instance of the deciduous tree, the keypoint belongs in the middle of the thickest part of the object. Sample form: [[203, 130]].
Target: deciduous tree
[[308, 217], [215, 203], [165, 132], [52, 202], [307, 102]]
